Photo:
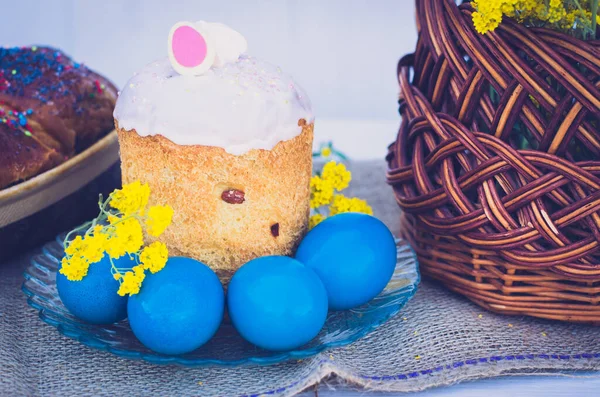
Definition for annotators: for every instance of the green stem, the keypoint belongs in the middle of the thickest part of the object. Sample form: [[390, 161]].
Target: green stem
[[588, 29], [340, 155], [594, 15], [76, 230], [139, 218], [100, 201], [88, 226], [578, 5], [115, 270]]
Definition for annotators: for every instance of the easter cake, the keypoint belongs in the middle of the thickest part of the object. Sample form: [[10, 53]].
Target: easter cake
[[50, 108], [226, 140]]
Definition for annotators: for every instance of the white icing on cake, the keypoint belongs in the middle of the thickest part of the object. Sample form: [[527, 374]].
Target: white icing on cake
[[229, 44], [243, 104]]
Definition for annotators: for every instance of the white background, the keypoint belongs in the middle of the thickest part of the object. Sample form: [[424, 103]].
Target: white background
[[343, 52]]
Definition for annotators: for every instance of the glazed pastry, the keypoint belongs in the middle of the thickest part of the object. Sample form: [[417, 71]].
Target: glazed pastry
[[230, 150], [22, 154], [50, 108]]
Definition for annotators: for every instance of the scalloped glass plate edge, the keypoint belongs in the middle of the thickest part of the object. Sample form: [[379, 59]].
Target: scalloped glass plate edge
[[400, 290]]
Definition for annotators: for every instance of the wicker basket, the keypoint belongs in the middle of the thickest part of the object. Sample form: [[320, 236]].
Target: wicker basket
[[497, 163]]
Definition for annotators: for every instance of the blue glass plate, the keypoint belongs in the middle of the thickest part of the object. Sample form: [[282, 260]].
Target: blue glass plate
[[226, 348]]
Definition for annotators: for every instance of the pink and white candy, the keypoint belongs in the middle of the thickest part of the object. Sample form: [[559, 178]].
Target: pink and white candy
[[191, 49]]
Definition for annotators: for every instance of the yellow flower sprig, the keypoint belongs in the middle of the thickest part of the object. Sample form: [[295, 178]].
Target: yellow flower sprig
[[327, 151], [577, 17], [325, 197], [117, 231]]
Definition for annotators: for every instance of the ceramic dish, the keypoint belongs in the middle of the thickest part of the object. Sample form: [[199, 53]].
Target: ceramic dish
[[41, 191], [34, 211]]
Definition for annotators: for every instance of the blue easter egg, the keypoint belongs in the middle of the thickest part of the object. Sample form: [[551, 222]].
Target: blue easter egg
[[353, 254], [277, 303], [94, 299], [179, 308]]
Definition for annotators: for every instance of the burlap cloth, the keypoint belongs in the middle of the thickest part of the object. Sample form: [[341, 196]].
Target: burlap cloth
[[438, 339]]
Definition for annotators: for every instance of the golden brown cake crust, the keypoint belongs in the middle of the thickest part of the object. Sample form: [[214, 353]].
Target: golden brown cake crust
[[192, 179]]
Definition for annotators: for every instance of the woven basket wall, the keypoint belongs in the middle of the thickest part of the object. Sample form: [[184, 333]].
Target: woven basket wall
[[497, 163]]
